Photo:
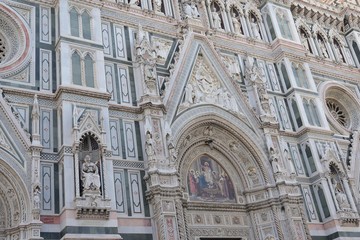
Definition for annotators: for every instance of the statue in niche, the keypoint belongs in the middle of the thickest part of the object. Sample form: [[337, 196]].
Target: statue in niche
[[150, 78], [274, 160], [323, 48], [208, 181], [36, 197], [338, 52], [134, 2], [255, 28], [190, 10], [157, 5], [90, 175], [172, 152], [216, 18], [194, 11], [257, 79], [305, 41], [146, 56], [236, 23], [340, 195], [149, 149]]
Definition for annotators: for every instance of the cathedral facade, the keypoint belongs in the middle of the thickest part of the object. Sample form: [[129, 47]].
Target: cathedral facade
[[179, 119]]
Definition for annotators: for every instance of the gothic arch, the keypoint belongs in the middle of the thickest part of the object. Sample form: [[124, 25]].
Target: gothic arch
[[251, 8], [301, 24], [229, 136], [316, 29], [15, 202]]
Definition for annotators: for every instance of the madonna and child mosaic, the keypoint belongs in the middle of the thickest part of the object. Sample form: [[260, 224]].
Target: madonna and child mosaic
[[208, 181]]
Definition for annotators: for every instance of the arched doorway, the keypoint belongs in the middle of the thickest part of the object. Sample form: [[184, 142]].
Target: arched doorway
[[217, 173], [15, 216]]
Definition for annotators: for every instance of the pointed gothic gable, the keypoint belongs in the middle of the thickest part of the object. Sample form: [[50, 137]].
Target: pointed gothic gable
[[204, 79], [13, 139]]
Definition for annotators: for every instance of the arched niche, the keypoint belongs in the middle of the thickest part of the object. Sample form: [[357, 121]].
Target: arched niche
[[90, 166]]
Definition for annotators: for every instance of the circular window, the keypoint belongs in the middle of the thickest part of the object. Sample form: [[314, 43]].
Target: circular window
[[341, 107], [338, 112], [15, 42]]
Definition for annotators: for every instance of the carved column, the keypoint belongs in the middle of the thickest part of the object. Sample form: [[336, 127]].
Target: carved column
[[36, 149]]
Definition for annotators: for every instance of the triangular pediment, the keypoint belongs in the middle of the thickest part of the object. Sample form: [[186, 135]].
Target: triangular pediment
[[204, 87], [201, 78], [14, 140]]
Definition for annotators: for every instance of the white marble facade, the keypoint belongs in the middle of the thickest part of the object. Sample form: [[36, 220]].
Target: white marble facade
[[179, 119]]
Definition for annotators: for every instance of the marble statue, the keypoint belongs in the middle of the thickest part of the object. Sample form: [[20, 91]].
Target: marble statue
[[190, 10], [338, 53], [194, 11], [216, 19], [157, 5], [36, 197], [305, 41], [255, 28], [274, 160], [134, 2], [340, 196], [149, 148], [90, 175], [323, 48], [236, 23]]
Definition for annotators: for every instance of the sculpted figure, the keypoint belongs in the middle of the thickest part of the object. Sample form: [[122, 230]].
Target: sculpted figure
[[216, 18], [338, 53], [157, 5], [134, 2], [340, 196], [149, 147], [255, 28], [323, 48], [190, 10], [187, 10], [189, 94], [90, 175], [194, 11], [236, 23], [305, 41], [37, 197], [274, 160]]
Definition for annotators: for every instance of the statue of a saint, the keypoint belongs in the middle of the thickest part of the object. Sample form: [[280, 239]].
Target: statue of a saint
[[341, 196], [149, 147], [157, 5], [90, 175], [338, 53], [216, 19], [194, 11], [305, 41], [274, 160], [323, 48], [134, 2], [255, 28], [237, 24], [36, 197]]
